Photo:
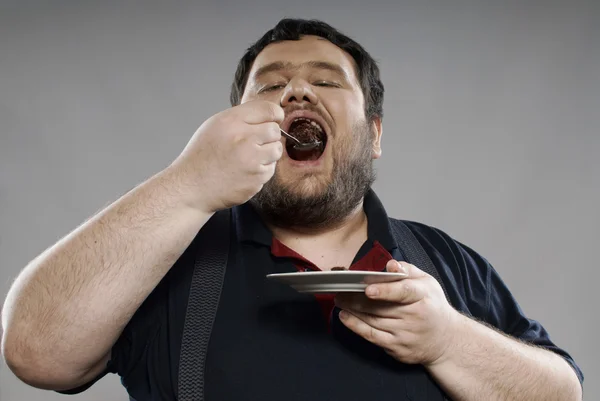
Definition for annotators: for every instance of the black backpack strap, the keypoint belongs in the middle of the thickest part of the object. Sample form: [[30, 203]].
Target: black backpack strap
[[414, 252], [205, 292]]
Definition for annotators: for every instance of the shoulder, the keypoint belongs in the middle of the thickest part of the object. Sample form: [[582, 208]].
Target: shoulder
[[464, 272], [476, 288], [438, 241], [429, 236]]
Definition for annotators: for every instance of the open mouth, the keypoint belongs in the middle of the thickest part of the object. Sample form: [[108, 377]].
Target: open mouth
[[306, 130]]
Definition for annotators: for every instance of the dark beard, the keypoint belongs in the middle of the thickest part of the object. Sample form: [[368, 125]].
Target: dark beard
[[352, 179]]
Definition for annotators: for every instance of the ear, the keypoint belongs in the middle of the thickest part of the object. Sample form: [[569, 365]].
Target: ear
[[377, 130]]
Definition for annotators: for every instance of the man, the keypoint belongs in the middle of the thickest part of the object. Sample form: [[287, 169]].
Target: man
[[111, 296]]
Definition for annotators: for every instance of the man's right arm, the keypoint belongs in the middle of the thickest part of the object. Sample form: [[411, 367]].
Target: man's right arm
[[68, 307], [70, 304]]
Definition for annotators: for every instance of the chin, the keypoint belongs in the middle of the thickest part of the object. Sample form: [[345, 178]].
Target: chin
[[304, 184]]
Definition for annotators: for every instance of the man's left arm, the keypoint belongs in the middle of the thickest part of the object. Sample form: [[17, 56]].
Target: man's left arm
[[483, 364], [412, 320]]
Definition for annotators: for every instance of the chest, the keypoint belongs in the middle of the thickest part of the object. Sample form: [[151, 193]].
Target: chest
[[331, 260], [270, 342], [321, 258]]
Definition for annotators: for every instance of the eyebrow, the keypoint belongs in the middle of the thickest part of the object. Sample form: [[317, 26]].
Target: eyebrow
[[286, 65]]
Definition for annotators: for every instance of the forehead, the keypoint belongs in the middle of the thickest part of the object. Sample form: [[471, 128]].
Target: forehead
[[301, 52]]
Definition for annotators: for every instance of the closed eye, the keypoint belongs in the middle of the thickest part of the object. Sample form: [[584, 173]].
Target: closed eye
[[274, 87], [327, 84], [271, 88]]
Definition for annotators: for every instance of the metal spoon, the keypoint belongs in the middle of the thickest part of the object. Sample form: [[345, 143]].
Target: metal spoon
[[301, 145]]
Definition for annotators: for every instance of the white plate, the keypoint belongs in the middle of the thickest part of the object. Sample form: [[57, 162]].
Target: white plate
[[334, 281]]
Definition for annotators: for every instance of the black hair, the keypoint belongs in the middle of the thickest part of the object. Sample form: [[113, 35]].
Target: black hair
[[294, 29]]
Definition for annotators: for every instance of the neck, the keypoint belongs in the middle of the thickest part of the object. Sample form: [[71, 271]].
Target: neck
[[332, 237]]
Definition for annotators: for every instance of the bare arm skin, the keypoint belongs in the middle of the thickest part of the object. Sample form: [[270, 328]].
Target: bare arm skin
[[69, 305], [485, 364]]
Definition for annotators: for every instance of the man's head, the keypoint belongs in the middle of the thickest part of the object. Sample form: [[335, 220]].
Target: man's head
[[366, 69], [329, 88]]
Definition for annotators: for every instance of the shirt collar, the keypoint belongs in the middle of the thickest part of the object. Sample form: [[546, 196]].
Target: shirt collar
[[251, 228]]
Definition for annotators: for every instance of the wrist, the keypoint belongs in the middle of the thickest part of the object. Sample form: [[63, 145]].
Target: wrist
[[455, 333], [186, 194]]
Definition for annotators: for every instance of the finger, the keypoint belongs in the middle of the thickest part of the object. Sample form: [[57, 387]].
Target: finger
[[370, 333], [271, 152], [261, 111], [377, 322], [407, 291], [267, 171], [361, 303], [266, 133], [412, 271]]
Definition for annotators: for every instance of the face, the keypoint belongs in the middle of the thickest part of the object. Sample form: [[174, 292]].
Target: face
[[315, 82]]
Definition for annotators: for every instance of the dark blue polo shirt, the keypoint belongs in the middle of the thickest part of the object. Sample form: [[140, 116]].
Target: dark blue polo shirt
[[271, 343]]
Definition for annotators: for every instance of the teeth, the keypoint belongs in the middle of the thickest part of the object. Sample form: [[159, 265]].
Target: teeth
[[313, 123]]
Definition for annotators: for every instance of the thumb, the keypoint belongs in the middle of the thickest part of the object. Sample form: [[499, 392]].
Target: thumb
[[412, 271]]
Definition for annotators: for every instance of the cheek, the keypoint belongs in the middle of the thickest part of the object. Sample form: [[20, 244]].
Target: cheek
[[344, 149], [245, 98], [347, 115], [248, 97], [250, 93], [273, 97]]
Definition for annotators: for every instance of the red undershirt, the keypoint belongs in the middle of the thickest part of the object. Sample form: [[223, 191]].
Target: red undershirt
[[374, 260]]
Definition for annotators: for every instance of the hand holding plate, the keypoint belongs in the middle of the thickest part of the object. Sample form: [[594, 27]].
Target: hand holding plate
[[409, 318]]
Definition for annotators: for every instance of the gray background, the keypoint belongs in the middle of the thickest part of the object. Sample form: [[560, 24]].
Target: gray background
[[491, 131]]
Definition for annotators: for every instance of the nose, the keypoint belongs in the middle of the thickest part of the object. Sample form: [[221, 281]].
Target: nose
[[298, 91]]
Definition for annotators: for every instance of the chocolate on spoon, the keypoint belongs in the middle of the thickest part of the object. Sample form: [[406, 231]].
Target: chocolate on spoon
[[302, 145]]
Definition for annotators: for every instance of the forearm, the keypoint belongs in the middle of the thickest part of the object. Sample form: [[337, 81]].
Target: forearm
[[69, 304], [483, 364]]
